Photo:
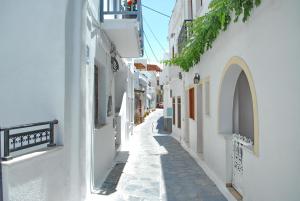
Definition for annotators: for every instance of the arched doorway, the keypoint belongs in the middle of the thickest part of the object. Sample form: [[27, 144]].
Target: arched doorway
[[238, 117]]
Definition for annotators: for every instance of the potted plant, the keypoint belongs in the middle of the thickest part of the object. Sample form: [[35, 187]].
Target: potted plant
[[130, 5]]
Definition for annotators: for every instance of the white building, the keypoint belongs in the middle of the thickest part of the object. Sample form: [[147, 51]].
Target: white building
[[249, 85], [146, 76], [64, 60]]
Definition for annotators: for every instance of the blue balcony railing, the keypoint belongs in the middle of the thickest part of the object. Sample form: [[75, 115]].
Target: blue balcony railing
[[117, 9]]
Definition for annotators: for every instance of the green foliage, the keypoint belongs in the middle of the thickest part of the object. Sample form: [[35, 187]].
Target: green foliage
[[205, 29]]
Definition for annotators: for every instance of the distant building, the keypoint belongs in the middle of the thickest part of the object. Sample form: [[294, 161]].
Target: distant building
[[146, 88]]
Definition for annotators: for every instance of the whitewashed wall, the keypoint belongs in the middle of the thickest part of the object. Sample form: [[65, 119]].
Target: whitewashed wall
[[104, 137], [124, 100], [33, 178], [40, 72], [100, 146], [181, 12], [167, 99], [269, 44], [32, 62], [177, 91]]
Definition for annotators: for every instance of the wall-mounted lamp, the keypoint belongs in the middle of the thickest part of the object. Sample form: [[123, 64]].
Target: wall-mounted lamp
[[180, 75], [196, 78]]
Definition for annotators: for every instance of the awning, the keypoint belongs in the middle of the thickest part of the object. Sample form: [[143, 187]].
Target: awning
[[153, 67], [139, 66]]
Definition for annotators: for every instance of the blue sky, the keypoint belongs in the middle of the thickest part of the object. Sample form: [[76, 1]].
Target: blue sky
[[158, 24]]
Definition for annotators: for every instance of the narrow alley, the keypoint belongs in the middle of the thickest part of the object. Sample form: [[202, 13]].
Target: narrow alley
[[158, 168], [149, 100]]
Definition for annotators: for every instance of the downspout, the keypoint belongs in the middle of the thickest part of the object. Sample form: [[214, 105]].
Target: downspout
[[192, 14], [1, 179]]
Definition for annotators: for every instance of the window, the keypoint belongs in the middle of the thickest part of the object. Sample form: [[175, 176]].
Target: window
[[199, 4], [109, 106], [173, 52], [174, 115], [207, 98], [96, 106], [192, 103], [100, 102], [190, 14], [179, 112], [171, 93], [157, 82]]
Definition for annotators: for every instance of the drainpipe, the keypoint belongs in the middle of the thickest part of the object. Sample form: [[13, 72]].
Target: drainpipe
[[192, 14], [101, 10], [1, 179]]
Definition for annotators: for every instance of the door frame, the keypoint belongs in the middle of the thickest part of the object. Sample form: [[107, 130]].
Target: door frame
[[186, 118], [199, 117]]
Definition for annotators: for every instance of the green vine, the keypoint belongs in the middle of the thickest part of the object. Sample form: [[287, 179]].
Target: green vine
[[205, 29]]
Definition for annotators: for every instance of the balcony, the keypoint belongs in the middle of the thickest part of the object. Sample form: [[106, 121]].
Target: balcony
[[184, 35], [18, 138], [123, 24]]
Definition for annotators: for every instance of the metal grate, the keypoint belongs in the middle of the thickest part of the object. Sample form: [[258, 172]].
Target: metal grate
[[184, 35], [23, 140]]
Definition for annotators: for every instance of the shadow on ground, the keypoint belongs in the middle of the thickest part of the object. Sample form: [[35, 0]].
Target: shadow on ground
[[110, 184], [160, 126], [183, 178]]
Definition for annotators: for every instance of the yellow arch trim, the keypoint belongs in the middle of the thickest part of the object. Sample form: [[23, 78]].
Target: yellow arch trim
[[242, 64]]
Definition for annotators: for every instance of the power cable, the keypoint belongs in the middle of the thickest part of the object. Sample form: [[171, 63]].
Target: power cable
[[150, 47], [156, 11], [146, 54], [163, 49]]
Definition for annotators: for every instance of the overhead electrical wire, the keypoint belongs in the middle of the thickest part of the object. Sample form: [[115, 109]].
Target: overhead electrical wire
[[151, 47], [161, 46], [163, 14], [147, 57]]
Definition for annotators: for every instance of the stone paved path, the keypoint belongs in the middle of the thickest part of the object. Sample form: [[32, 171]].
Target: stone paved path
[[159, 169]]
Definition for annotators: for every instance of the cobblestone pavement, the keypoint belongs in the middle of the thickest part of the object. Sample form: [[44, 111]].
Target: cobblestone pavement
[[159, 169]]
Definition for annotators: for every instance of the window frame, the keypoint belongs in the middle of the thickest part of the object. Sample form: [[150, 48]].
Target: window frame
[[96, 97], [192, 103], [207, 97], [174, 110], [178, 112], [199, 5], [173, 52]]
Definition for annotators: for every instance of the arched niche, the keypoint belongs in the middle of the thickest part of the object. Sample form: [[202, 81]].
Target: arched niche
[[230, 76]]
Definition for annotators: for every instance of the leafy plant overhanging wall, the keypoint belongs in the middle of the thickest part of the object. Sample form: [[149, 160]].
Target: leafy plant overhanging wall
[[205, 29]]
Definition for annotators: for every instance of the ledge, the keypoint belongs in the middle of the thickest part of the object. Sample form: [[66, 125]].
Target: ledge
[[32, 155]]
